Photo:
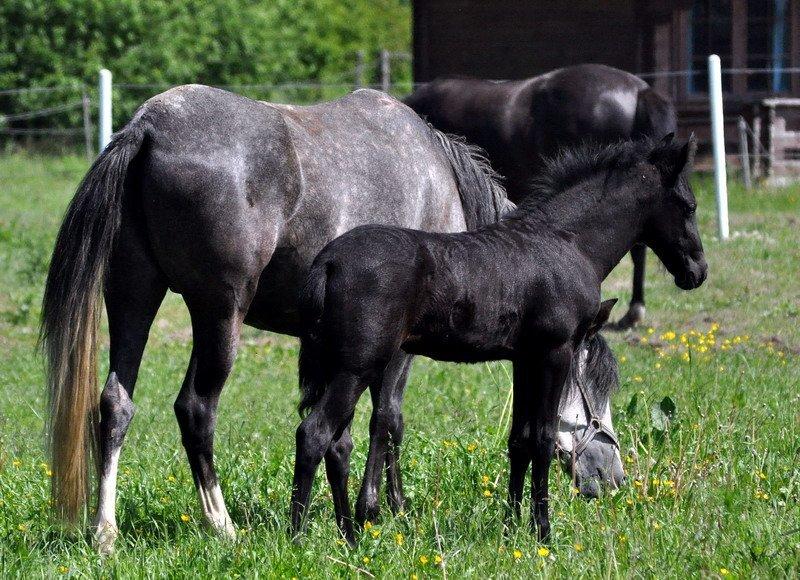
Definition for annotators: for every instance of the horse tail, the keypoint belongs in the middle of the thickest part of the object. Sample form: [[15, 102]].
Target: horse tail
[[311, 364], [655, 115], [71, 312], [482, 196]]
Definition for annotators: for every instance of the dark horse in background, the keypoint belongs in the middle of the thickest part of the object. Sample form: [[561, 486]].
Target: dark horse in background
[[525, 289], [521, 123]]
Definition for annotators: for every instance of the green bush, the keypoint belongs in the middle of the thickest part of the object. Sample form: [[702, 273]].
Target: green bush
[[45, 43]]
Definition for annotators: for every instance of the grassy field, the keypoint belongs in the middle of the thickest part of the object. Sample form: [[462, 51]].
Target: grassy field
[[717, 494]]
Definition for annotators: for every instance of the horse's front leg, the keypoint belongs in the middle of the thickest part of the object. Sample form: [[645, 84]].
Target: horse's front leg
[[548, 379], [518, 438]]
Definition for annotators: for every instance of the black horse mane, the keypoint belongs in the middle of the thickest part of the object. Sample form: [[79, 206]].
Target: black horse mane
[[571, 165]]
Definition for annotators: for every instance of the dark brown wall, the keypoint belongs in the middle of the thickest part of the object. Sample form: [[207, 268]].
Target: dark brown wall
[[508, 39]]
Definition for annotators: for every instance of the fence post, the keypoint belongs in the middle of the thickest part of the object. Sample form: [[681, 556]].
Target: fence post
[[87, 126], [359, 72], [718, 140], [104, 107], [386, 71], [744, 153]]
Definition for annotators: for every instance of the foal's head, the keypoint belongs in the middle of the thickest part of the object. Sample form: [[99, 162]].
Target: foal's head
[[586, 444], [671, 231]]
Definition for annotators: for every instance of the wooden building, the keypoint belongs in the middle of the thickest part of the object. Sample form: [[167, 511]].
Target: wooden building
[[512, 39]]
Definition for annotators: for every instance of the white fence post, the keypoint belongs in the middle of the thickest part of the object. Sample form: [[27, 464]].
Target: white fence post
[[104, 109], [718, 140]]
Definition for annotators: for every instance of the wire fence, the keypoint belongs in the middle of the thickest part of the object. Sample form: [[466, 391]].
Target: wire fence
[[60, 118]]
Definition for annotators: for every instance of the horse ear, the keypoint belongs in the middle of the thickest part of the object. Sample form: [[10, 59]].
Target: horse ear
[[601, 317], [673, 163], [668, 138]]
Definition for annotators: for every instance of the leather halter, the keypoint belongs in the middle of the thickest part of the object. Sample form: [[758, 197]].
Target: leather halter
[[594, 428]]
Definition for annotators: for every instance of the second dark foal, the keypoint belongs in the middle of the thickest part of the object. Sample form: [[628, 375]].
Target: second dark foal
[[525, 289]]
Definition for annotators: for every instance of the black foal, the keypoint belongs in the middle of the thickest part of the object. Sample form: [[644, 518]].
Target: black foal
[[524, 289]]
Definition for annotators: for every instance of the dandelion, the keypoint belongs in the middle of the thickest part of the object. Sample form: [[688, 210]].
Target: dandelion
[[472, 447], [669, 335], [543, 552], [437, 559], [63, 569], [623, 359], [761, 475], [365, 559], [622, 537], [724, 571], [185, 518], [637, 483], [656, 526], [651, 330], [376, 533], [171, 479], [367, 525], [423, 560], [658, 365], [629, 501], [399, 539], [517, 554], [16, 463], [487, 493], [22, 528], [638, 379], [578, 547], [414, 577], [485, 480], [685, 357]]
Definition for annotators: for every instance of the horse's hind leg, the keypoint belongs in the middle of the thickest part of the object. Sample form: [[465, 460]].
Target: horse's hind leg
[[215, 328], [337, 468], [134, 290], [394, 480], [326, 424], [385, 423]]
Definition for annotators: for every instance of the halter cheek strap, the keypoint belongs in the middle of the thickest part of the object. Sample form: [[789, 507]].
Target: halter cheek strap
[[595, 426]]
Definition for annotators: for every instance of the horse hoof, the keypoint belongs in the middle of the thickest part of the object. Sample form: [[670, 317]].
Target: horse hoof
[[105, 536], [632, 318]]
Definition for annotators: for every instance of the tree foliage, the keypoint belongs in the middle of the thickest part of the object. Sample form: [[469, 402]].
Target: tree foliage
[[219, 42]]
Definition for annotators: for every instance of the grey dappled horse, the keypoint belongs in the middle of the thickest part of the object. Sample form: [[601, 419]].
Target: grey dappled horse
[[226, 201]]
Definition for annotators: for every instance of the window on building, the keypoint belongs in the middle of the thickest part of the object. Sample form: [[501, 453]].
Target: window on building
[[709, 33], [768, 42]]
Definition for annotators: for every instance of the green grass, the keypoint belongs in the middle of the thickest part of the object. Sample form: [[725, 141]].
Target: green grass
[[727, 476]]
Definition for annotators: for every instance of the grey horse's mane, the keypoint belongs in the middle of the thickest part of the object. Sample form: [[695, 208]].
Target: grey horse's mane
[[602, 373], [483, 197]]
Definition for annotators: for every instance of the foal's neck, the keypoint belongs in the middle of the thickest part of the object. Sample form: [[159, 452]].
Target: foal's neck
[[605, 216]]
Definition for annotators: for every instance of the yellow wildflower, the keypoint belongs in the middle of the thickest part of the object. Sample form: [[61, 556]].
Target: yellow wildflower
[[517, 554], [22, 528], [761, 475], [485, 480], [398, 539], [651, 330], [578, 547], [472, 447], [423, 560], [16, 463], [685, 357], [437, 559], [63, 569], [367, 525], [171, 479], [724, 571], [365, 559], [656, 526], [658, 365], [669, 335], [185, 518], [487, 493], [376, 533], [629, 501], [543, 552], [638, 379], [623, 359]]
